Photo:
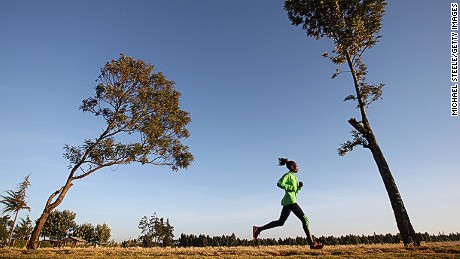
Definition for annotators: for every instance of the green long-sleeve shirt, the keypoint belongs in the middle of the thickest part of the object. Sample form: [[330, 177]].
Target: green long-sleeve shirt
[[290, 184]]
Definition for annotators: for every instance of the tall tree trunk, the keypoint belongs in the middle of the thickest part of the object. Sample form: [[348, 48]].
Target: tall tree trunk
[[402, 218], [12, 227], [50, 206], [34, 237]]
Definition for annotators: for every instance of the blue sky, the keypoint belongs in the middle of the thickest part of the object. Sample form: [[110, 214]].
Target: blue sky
[[257, 89]]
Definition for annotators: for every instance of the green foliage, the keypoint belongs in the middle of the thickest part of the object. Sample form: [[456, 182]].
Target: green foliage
[[90, 233], [5, 226], [354, 27], [156, 232], [23, 229], [131, 243], [15, 201], [20, 243], [358, 140], [46, 244], [85, 231], [59, 224], [136, 102], [102, 233]]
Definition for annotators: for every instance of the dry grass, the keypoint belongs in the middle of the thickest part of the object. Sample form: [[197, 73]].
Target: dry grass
[[427, 250]]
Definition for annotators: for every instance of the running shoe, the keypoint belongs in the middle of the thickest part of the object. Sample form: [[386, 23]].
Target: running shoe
[[316, 246]]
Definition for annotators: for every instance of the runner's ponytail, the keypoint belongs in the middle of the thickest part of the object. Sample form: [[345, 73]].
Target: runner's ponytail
[[283, 161], [291, 165]]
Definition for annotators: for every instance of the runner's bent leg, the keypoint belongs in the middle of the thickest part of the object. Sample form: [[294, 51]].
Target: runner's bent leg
[[277, 223], [299, 213]]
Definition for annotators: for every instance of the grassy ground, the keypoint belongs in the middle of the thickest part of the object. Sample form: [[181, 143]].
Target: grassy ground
[[427, 250]]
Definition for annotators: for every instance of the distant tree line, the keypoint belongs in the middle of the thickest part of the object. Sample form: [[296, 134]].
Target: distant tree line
[[385, 238], [201, 240], [205, 240], [156, 231]]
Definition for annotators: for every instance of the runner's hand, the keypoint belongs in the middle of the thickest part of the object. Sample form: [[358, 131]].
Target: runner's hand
[[300, 184]]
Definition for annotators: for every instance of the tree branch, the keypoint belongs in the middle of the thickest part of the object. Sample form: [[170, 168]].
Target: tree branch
[[48, 202], [91, 148], [358, 126], [358, 93], [91, 171]]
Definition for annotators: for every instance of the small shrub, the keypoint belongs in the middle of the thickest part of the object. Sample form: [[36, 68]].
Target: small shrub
[[45, 244], [20, 243]]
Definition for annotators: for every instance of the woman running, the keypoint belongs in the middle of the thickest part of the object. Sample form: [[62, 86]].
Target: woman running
[[292, 186]]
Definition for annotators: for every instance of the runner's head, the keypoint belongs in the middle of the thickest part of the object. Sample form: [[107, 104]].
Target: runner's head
[[291, 165]]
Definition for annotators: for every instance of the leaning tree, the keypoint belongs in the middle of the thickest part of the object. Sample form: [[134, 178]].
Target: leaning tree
[[353, 26], [15, 201], [143, 123]]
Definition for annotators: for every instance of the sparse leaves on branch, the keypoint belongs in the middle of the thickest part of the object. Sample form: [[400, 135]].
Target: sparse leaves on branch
[[358, 140]]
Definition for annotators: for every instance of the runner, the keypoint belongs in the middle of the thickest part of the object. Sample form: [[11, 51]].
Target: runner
[[292, 186]]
